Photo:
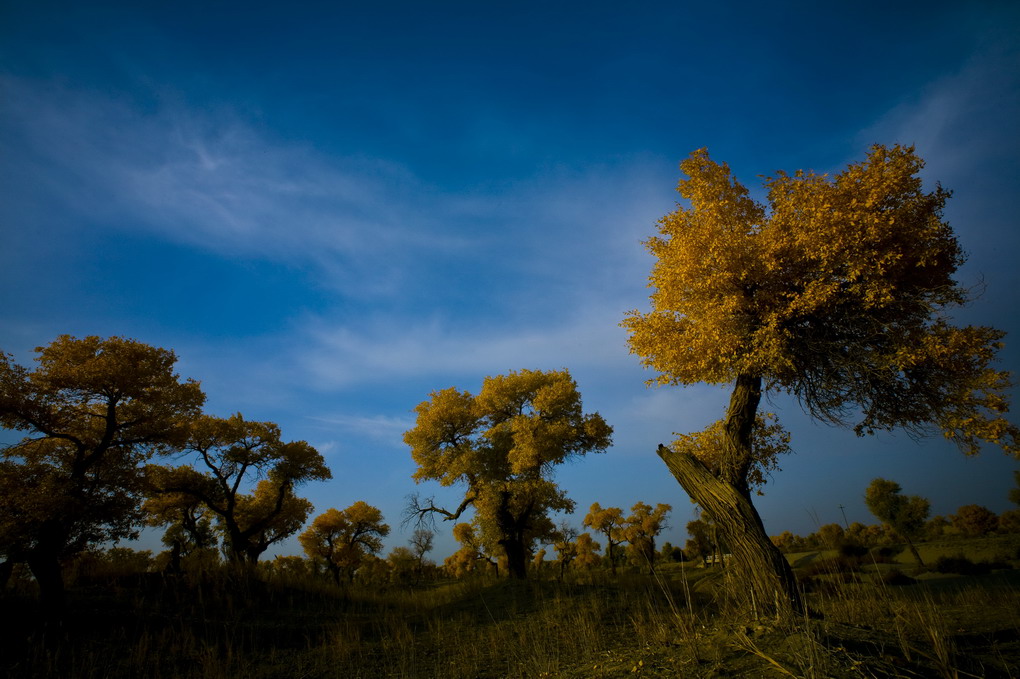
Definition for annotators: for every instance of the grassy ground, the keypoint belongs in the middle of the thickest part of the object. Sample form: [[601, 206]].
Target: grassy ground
[[683, 623]]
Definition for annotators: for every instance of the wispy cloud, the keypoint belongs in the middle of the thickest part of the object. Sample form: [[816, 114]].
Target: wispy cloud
[[342, 356], [964, 125], [386, 429], [213, 181], [963, 121]]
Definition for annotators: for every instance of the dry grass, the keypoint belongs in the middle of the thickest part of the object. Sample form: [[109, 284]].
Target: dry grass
[[682, 622]]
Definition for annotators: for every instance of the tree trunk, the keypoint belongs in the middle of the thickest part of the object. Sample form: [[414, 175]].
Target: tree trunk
[[173, 566], [516, 558], [914, 552], [46, 569], [759, 564], [511, 527], [717, 550], [6, 569]]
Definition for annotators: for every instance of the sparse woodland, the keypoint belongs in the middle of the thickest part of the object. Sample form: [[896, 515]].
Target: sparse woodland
[[836, 292]]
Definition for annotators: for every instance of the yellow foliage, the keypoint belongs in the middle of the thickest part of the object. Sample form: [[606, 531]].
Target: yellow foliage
[[608, 521], [94, 410], [342, 539], [640, 530], [231, 453], [835, 293], [586, 550], [769, 440], [503, 445]]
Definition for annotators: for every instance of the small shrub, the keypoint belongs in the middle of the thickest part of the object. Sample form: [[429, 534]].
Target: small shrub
[[1009, 522], [852, 550], [886, 554], [960, 565], [833, 565], [813, 585]]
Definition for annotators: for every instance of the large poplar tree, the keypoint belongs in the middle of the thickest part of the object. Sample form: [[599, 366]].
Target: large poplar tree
[[93, 411], [503, 445], [838, 292]]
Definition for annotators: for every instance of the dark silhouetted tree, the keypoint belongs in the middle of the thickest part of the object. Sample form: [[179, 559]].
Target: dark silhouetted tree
[[230, 454], [94, 411], [975, 520], [904, 514], [422, 541], [565, 545]]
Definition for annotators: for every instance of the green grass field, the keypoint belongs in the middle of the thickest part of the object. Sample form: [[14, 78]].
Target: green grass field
[[685, 622]]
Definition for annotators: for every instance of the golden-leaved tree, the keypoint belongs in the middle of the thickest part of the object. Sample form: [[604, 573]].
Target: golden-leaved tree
[[503, 445], [587, 552], [466, 559], [341, 539], [837, 293], [230, 454], [93, 410], [189, 533], [608, 522], [642, 527]]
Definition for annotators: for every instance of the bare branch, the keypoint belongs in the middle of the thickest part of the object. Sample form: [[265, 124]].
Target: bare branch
[[422, 513]]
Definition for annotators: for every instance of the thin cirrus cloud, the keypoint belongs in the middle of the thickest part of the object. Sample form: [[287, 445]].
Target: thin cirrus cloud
[[958, 122], [211, 181], [964, 125], [369, 226], [570, 239], [385, 429], [337, 357]]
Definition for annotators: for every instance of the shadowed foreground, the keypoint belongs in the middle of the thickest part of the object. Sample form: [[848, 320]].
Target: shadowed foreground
[[868, 620]]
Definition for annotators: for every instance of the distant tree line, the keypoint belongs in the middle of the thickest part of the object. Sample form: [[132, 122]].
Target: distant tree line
[[905, 519], [115, 440]]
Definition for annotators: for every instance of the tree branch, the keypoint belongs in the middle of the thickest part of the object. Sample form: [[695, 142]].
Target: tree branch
[[422, 513]]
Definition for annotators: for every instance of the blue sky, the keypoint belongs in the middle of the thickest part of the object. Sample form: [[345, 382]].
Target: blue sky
[[331, 209]]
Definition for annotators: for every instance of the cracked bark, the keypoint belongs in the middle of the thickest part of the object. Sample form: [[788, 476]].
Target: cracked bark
[[760, 566]]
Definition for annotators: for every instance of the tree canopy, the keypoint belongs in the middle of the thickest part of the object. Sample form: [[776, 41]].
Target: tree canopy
[[643, 526], [608, 522], [975, 520], [905, 514], [503, 445], [769, 440], [94, 410], [231, 454], [341, 539], [837, 292]]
